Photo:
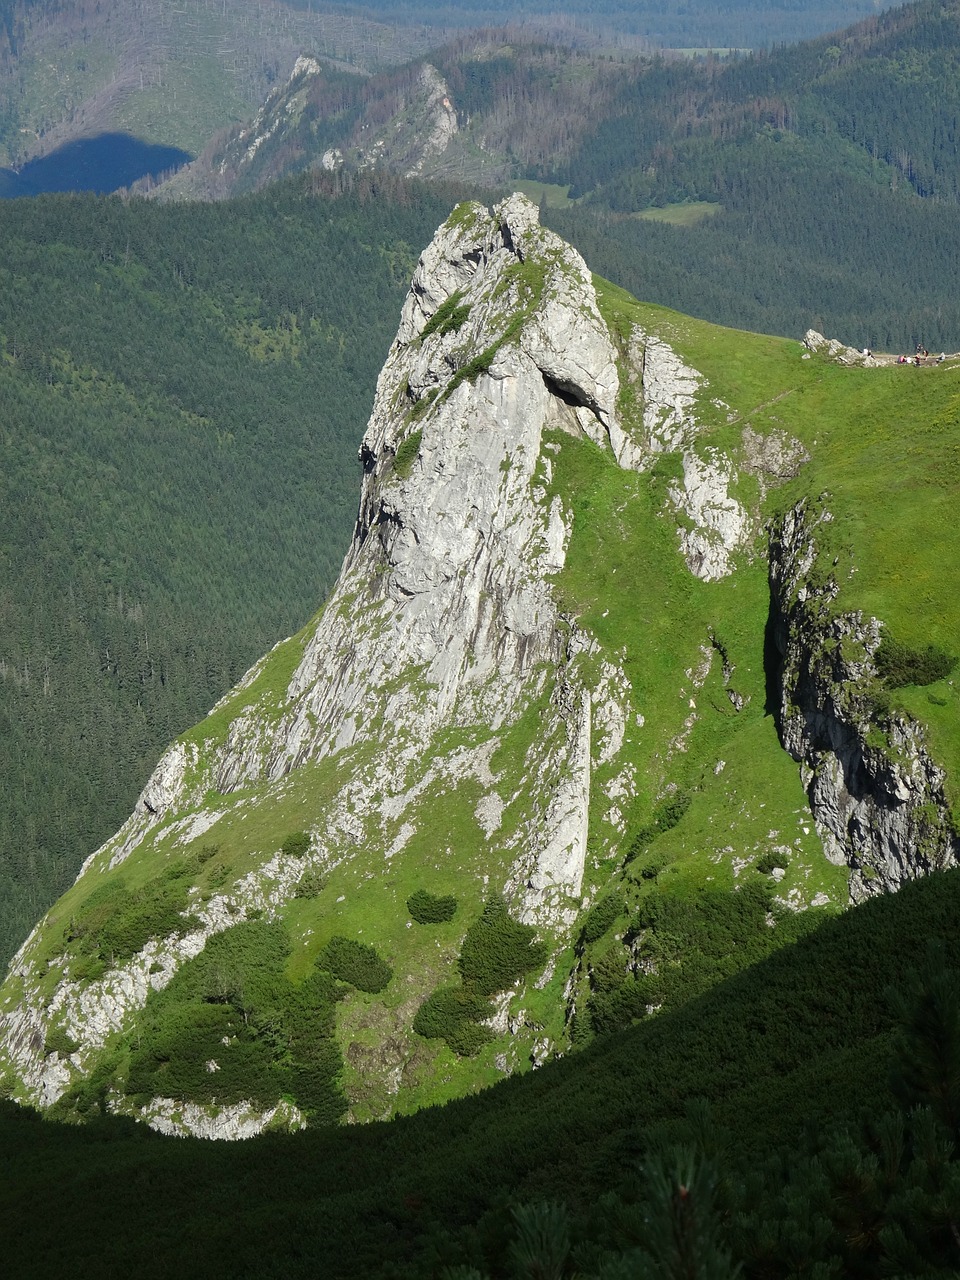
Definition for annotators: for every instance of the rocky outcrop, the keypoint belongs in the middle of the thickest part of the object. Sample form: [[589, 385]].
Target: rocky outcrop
[[832, 349], [876, 794], [718, 524], [457, 716], [438, 124]]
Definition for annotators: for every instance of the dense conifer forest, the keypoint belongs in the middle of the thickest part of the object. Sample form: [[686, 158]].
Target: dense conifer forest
[[184, 391]]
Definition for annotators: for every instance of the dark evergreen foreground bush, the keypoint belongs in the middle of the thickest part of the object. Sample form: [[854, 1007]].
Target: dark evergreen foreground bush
[[899, 665], [425, 908], [356, 963]]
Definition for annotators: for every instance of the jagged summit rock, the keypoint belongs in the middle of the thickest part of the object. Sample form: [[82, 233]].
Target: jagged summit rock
[[442, 619], [494, 707]]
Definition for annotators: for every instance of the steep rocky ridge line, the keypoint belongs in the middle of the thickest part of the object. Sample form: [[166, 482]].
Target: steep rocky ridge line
[[442, 617]]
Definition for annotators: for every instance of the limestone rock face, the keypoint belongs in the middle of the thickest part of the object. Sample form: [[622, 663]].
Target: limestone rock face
[[719, 524], [440, 114], [443, 621], [453, 550], [876, 794]]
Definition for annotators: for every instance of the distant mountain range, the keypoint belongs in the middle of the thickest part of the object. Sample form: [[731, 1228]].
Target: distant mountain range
[[173, 73], [879, 101]]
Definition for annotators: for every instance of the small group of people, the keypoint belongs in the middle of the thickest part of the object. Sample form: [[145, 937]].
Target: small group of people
[[921, 357]]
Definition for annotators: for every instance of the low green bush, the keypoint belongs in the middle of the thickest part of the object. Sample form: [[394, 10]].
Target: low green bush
[[116, 921], [899, 665], [449, 316], [58, 1041], [425, 908], [232, 1026], [601, 916], [155, 911], [455, 1014], [297, 845], [650, 868], [356, 963], [406, 455], [769, 863], [498, 950], [666, 815], [310, 884]]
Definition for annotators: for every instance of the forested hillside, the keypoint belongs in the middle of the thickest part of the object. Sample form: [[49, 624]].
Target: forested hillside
[[814, 185], [165, 71], [884, 92], [183, 393]]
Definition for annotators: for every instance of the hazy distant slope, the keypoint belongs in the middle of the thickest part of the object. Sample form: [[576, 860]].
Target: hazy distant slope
[[673, 23], [166, 71]]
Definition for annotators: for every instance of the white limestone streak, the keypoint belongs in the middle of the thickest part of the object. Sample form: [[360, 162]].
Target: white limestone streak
[[720, 523]]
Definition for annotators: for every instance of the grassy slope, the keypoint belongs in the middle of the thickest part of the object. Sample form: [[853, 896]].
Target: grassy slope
[[883, 447], [798, 1041]]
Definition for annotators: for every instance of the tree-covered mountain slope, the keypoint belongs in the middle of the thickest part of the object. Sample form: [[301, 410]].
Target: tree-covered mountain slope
[[878, 99], [811, 1155], [182, 393], [639, 661], [166, 72], [819, 180]]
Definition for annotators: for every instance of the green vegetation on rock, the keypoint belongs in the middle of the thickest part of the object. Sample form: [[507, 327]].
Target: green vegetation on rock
[[899, 665]]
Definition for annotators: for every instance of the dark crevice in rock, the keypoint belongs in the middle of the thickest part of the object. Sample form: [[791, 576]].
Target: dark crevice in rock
[[774, 647], [569, 393]]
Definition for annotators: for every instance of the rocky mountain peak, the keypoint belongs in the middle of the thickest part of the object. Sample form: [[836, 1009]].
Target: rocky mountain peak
[[546, 630]]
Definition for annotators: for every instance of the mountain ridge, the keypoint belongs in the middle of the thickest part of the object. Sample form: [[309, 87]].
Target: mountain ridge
[[539, 689]]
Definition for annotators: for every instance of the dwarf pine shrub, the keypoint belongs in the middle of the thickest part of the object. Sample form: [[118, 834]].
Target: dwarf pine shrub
[[426, 908], [356, 963]]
